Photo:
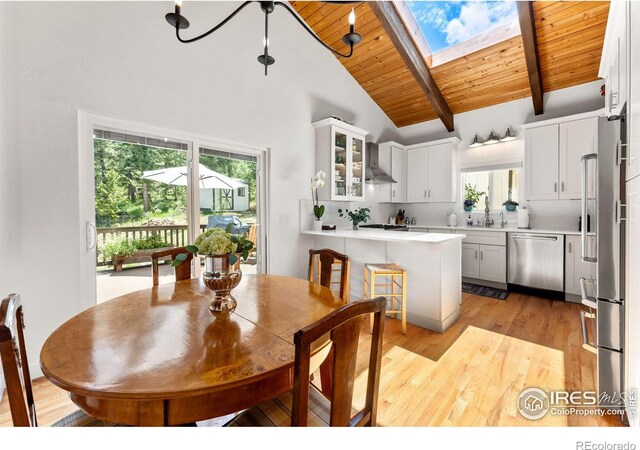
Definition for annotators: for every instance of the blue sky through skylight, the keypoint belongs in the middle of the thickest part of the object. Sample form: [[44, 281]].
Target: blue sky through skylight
[[444, 24]]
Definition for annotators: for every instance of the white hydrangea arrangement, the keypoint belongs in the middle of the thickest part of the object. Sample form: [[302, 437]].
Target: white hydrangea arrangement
[[215, 241]]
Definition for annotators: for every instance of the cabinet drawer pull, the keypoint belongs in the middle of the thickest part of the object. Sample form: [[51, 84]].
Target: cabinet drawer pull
[[393, 193], [425, 194], [481, 256], [562, 186], [555, 187], [476, 254], [429, 193], [569, 247]]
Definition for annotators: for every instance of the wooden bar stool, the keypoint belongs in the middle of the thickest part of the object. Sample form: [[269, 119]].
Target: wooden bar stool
[[397, 293]]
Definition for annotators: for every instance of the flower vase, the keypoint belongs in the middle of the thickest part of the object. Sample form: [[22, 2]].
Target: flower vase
[[468, 208], [356, 226], [221, 277], [317, 225]]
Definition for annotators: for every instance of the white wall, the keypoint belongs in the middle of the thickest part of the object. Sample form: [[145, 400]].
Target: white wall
[[561, 214], [122, 59]]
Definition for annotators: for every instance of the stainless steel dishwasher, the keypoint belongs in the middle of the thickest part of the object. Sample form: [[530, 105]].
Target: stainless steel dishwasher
[[536, 260]]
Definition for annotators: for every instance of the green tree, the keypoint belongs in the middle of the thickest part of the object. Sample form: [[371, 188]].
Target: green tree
[[111, 196]]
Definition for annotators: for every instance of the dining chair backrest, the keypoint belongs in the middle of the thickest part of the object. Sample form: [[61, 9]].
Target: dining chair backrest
[[324, 264], [15, 364], [183, 271], [343, 325]]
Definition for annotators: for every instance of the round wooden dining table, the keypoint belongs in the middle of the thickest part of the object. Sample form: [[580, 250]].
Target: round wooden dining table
[[157, 357]]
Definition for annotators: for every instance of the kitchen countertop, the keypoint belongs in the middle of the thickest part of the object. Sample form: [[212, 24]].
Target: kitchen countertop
[[494, 228], [388, 235]]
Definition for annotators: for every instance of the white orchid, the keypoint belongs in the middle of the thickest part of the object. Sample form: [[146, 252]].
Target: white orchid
[[317, 182]]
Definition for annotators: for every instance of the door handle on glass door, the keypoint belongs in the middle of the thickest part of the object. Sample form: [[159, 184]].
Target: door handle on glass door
[[92, 236]]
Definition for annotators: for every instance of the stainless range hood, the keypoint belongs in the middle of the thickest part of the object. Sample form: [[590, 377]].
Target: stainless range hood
[[373, 174]]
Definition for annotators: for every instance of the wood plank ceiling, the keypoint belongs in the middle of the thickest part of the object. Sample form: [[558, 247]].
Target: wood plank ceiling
[[570, 36]]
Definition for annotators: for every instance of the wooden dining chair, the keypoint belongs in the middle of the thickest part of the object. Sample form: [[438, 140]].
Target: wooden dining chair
[[305, 405], [183, 271], [324, 264], [16, 372]]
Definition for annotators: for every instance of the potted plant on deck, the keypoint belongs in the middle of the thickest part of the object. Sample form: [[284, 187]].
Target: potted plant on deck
[[471, 197], [318, 210], [222, 251], [357, 216], [123, 251]]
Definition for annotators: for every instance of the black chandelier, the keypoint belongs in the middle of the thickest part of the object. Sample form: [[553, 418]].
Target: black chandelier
[[180, 22]]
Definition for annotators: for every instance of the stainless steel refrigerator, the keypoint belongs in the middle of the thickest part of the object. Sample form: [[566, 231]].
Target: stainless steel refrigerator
[[603, 189]]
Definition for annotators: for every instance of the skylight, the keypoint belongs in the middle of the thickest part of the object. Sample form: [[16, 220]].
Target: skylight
[[445, 24]]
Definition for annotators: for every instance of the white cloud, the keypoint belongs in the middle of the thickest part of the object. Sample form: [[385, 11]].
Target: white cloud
[[476, 18], [432, 14]]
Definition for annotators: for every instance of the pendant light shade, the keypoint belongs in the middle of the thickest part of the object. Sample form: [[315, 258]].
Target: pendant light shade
[[507, 137], [475, 143], [493, 139]]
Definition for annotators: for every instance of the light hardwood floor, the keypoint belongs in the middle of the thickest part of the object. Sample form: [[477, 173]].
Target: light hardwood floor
[[471, 375]]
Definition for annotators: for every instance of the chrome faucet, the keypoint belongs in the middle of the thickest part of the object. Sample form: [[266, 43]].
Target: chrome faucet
[[487, 220], [503, 222]]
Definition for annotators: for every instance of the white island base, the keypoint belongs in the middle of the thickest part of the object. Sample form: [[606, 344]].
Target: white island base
[[432, 262]]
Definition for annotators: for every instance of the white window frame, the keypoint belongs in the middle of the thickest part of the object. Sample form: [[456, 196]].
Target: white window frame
[[492, 168], [88, 121]]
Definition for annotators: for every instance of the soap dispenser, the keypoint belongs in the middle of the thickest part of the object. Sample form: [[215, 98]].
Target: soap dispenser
[[469, 221]]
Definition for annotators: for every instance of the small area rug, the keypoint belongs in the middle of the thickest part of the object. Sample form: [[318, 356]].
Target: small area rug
[[485, 291]]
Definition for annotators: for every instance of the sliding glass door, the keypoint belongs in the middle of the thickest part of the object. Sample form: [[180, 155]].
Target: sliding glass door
[[141, 206]]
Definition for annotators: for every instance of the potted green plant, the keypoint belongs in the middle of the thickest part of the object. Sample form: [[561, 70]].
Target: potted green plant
[[510, 205], [222, 251], [357, 216], [123, 251], [318, 210], [471, 197]]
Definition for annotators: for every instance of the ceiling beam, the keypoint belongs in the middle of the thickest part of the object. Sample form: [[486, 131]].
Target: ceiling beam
[[530, 45], [394, 26]]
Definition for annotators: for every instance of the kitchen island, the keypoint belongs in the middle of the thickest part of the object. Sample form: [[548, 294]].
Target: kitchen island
[[432, 262]]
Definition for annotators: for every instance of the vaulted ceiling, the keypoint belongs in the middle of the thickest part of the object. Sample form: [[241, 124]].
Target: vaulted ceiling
[[568, 35]]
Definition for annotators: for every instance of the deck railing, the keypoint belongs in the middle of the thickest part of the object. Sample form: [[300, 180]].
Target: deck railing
[[176, 235]]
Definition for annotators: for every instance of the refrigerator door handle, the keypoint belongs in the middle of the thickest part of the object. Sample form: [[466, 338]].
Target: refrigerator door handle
[[585, 194], [585, 338], [587, 300]]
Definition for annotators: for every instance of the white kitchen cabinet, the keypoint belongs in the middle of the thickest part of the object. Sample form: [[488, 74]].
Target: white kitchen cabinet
[[577, 138], [553, 153], [483, 262], [541, 162], [417, 159], [470, 261], [340, 152], [493, 263], [432, 172], [574, 267], [633, 100], [392, 159], [441, 174], [614, 60], [632, 296]]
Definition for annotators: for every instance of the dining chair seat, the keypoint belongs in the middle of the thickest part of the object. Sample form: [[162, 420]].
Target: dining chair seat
[[277, 412]]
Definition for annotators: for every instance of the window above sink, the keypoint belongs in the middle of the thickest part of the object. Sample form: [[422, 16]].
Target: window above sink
[[498, 183]]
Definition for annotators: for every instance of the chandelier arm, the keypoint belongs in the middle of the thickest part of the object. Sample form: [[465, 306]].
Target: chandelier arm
[[312, 33], [214, 29]]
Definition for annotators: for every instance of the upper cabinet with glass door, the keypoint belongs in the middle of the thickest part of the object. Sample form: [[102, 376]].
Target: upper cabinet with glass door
[[340, 153]]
